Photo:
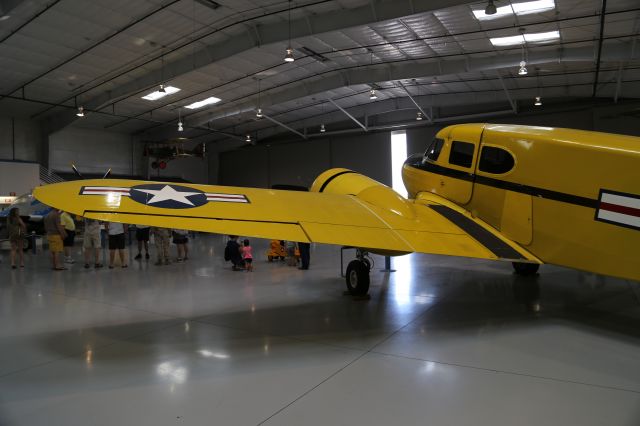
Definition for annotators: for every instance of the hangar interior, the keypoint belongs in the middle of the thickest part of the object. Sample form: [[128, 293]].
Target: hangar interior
[[119, 85]]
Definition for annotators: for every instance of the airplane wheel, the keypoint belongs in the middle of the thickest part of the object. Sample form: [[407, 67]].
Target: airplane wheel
[[357, 278], [270, 258], [525, 268], [367, 263]]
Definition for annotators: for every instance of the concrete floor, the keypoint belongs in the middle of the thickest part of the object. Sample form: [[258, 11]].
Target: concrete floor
[[443, 341]]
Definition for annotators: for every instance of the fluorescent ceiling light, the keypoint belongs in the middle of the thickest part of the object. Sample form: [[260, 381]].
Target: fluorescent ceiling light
[[523, 8], [500, 12], [529, 38], [507, 41], [200, 104], [168, 90], [537, 37], [533, 6]]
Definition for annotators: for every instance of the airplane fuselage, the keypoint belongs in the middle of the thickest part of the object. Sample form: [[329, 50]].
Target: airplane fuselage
[[570, 197]]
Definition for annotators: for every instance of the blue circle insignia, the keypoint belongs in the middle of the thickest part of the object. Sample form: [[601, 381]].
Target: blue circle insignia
[[167, 196]]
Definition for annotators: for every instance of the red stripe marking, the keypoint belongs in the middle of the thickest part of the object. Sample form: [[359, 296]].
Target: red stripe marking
[[124, 194], [232, 197], [620, 209]]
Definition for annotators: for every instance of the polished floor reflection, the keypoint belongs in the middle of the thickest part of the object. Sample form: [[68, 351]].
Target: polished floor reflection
[[442, 341]]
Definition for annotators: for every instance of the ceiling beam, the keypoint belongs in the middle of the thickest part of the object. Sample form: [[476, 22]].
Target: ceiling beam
[[271, 33], [355, 120], [429, 117], [514, 107], [600, 39], [367, 74], [481, 101], [273, 120]]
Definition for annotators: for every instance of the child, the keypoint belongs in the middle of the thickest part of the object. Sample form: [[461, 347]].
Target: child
[[247, 256]]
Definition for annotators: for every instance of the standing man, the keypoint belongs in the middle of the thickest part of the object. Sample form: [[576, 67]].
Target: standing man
[[142, 235], [305, 255], [117, 241], [70, 229], [55, 234], [91, 243], [162, 237]]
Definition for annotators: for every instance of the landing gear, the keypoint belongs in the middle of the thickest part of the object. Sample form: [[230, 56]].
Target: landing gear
[[521, 268], [357, 276]]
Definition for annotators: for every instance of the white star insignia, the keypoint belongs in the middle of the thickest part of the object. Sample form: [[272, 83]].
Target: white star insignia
[[168, 193]]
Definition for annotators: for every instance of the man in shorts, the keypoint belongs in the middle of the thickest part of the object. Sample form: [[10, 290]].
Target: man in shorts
[[117, 242], [162, 237], [181, 240], [142, 235], [91, 242], [55, 234]]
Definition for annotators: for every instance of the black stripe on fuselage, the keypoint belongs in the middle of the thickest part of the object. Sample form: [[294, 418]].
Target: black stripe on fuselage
[[503, 184], [484, 237], [326, 182]]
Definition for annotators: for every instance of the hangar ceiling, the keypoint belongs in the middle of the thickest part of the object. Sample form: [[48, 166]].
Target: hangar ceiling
[[431, 57]]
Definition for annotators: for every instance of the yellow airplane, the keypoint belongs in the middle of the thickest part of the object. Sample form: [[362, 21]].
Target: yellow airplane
[[527, 195]]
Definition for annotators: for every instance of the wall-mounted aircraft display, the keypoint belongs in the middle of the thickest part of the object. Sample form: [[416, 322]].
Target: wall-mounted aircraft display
[[163, 152], [522, 194]]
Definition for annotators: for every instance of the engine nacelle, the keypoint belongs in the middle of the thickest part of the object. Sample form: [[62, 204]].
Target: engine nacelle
[[348, 182]]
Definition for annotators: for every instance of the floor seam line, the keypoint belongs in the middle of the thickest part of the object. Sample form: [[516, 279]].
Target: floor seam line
[[366, 352], [313, 388], [493, 370]]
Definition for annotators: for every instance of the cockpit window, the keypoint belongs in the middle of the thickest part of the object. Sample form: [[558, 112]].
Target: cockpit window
[[25, 198], [495, 160], [461, 153], [433, 152]]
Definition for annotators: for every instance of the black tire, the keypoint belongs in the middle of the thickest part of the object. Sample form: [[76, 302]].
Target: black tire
[[357, 278], [270, 258], [526, 269]]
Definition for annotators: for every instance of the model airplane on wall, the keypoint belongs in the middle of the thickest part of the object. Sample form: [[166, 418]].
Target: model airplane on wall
[[527, 195]]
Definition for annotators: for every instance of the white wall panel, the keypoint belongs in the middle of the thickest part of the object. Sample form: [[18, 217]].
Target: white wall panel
[[299, 163], [20, 139], [93, 151], [245, 167], [18, 177], [369, 154]]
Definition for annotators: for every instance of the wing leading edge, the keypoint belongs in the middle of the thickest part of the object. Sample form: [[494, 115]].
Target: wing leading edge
[[437, 226]]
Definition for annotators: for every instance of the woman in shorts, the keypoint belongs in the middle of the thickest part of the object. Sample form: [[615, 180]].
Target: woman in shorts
[[116, 242], [17, 230]]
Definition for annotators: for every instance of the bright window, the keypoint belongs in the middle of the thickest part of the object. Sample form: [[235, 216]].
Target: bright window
[[398, 157]]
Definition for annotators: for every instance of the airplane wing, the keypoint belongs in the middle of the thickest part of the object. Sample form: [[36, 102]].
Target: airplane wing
[[436, 226]]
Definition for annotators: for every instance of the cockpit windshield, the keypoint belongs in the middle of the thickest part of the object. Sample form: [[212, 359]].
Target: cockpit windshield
[[433, 152], [25, 198]]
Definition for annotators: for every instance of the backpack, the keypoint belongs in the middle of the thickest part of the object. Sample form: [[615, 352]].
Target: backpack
[[227, 253]]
